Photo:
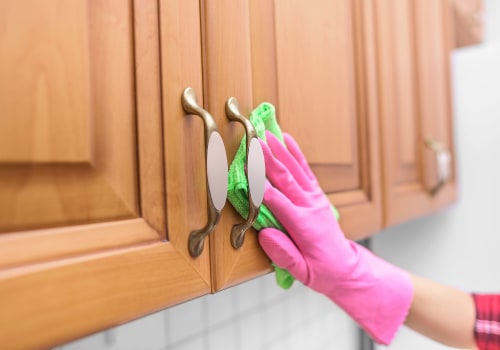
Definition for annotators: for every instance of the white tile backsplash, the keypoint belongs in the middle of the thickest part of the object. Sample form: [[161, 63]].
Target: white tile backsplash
[[251, 331], [195, 343], [254, 315], [221, 307], [185, 320], [95, 341], [149, 334], [250, 296], [224, 337]]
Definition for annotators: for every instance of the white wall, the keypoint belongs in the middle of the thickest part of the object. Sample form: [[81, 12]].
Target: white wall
[[460, 246]]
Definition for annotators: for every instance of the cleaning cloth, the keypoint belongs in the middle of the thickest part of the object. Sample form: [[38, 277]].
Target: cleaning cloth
[[263, 118]]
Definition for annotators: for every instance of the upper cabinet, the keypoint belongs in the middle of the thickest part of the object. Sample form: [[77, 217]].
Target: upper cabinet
[[103, 173], [84, 241], [415, 107]]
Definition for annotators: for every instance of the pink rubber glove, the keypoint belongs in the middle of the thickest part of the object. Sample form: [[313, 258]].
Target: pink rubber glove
[[376, 294]]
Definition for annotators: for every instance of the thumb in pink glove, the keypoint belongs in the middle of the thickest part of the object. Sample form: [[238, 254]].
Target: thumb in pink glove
[[376, 294]]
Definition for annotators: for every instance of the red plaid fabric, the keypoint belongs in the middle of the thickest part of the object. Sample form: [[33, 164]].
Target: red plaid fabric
[[487, 328]]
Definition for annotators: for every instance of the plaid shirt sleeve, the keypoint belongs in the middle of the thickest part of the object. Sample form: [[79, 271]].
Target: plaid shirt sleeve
[[487, 327]]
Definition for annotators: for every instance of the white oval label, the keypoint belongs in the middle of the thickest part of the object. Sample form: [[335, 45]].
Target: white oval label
[[217, 170], [256, 172]]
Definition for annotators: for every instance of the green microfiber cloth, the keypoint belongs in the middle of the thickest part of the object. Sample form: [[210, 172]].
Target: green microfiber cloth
[[263, 118]]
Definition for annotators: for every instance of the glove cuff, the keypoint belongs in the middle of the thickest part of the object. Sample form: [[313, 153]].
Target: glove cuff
[[378, 296]]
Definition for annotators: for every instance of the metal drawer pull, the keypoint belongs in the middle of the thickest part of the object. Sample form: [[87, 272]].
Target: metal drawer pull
[[216, 165], [443, 166], [255, 170]]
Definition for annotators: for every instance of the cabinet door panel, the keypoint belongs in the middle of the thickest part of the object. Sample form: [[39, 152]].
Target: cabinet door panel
[[315, 74], [67, 149], [326, 100], [413, 58]]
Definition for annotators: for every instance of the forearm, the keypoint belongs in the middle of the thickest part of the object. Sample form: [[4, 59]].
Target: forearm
[[442, 313]]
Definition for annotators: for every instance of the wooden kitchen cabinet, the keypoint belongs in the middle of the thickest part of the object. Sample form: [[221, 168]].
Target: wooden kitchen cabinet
[[415, 105], [84, 240], [102, 173]]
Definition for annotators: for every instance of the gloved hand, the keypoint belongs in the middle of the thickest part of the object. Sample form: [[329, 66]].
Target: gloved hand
[[376, 294]]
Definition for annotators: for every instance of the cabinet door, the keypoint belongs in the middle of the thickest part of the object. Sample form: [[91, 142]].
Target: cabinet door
[[67, 128], [83, 238], [413, 58], [316, 63], [228, 72]]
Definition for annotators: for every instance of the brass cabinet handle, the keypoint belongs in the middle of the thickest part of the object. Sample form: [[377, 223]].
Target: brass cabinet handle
[[255, 170], [216, 165], [443, 159]]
